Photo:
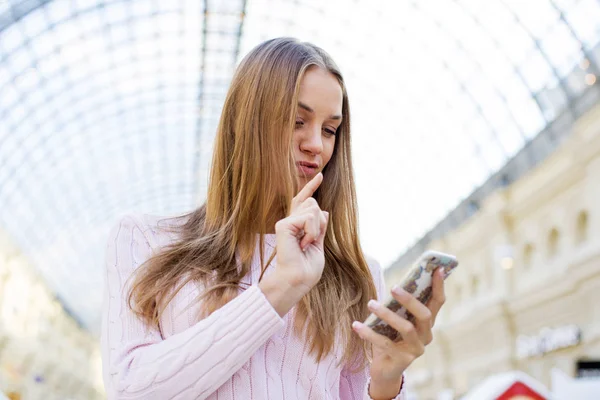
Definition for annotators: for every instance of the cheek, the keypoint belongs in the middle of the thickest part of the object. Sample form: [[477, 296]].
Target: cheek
[[296, 140], [295, 136], [328, 147]]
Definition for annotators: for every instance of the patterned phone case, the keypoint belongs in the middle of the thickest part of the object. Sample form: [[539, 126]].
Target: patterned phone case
[[417, 281]]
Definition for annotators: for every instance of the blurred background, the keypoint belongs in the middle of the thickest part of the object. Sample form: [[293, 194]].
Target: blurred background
[[476, 130]]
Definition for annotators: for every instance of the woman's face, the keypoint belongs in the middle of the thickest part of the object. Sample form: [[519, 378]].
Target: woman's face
[[318, 117]]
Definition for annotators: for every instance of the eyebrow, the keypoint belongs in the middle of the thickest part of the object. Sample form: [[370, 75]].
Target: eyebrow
[[310, 110]]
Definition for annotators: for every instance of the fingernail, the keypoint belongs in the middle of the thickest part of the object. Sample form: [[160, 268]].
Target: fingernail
[[373, 304], [326, 215], [397, 290], [356, 325]]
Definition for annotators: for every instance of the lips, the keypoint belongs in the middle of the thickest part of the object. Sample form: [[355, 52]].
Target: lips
[[307, 168], [308, 164]]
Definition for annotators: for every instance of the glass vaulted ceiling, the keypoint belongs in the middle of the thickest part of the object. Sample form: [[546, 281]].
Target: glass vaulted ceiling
[[109, 107]]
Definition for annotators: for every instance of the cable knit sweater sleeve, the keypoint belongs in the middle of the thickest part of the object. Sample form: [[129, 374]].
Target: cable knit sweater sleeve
[[355, 386], [139, 364]]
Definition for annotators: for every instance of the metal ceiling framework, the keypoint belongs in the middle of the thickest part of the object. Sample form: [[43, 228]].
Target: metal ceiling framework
[[108, 107]]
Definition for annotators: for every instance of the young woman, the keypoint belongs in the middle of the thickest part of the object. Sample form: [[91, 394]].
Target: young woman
[[259, 293]]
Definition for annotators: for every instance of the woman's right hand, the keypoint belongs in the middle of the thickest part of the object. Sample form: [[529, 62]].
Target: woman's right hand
[[300, 236], [300, 250]]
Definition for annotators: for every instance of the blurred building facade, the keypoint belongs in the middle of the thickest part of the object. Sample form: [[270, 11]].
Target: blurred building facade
[[44, 352], [526, 292]]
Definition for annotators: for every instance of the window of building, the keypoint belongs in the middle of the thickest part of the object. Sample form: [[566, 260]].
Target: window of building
[[475, 285], [528, 255], [581, 228], [553, 242]]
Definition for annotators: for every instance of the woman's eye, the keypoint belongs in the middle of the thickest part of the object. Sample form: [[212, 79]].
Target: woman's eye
[[299, 123], [330, 131]]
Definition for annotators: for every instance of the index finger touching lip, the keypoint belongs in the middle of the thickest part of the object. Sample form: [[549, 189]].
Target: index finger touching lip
[[310, 188]]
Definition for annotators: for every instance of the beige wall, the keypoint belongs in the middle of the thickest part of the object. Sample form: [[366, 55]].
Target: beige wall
[[38, 338], [555, 279]]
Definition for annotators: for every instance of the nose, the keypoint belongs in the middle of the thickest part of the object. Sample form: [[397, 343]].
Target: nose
[[312, 141]]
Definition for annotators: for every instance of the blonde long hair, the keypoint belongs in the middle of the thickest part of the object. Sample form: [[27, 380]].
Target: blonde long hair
[[252, 181]]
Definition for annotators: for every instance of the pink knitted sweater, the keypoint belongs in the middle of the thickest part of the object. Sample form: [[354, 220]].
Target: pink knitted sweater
[[244, 350]]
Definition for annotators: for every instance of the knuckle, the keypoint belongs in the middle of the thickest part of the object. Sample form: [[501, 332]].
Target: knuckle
[[410, 329], [311, 201], [428, 339], [388, 344], [427, 315], [279, 224]]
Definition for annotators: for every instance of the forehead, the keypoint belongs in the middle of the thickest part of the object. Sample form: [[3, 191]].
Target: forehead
[[320, 89]]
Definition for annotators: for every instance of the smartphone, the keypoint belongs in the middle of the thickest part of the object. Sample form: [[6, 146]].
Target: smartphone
[[417, 281]]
